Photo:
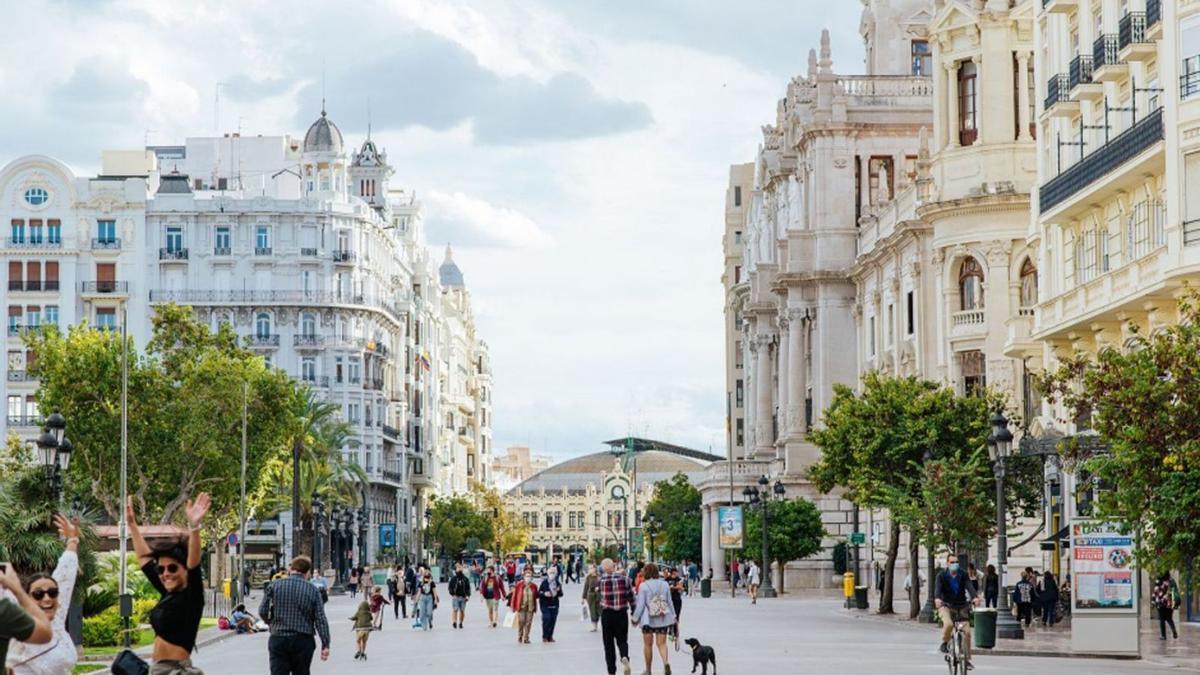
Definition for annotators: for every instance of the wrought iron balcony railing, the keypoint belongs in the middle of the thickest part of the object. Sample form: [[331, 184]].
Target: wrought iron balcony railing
[[106, 244], [1104, 51], [1058, 89], [170, 253], [1132, 29], [104, 286], [1080, 71], [1103, 160]]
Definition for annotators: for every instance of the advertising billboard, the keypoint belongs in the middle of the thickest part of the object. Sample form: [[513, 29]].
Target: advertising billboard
[[1102, 572], [732, 527]]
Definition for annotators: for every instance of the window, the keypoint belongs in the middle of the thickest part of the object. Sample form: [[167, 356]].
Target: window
[[18, 231], [308, 325], [174, 239], [1032, 398], [262, 240], [738, 357], [106, 318], [1029, 284], [106, 231], [262, 325], [36, 196], [596, 518], [967, 130], [909, 309], [970, 285], [922, 58], [35, 231], [14, 319], [891, 325], [352, 412], [740, 438], [740, 394], [33, 316], [308, 369], [872, 338], [737, 236], [571, 520], [54, 231], [221, 243], [14, 407], [737, 274], [876, 166], [737, 195], [355, 371], [52, 314], [1189, 48], [972, 370]]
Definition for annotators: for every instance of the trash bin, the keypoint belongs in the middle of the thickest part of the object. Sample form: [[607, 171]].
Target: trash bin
[[985, 627], [706, 588], [860, 597]]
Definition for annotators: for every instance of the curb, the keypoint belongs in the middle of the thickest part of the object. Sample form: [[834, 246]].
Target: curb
[[218, 637]]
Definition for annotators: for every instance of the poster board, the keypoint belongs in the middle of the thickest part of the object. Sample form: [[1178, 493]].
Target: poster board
[[732, 532], [1103, 577]]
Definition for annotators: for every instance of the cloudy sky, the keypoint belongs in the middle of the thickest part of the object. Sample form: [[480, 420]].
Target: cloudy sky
[[575, 152]]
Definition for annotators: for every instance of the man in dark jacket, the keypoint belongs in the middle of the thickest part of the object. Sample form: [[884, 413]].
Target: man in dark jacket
[[953, 594], [460, 590]]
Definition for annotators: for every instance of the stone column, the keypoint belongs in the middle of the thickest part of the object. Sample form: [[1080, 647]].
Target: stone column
[[952, 104], [706, 536], [784, 358], [763, 404], [797, 376], [716, 557], [1023, 96]]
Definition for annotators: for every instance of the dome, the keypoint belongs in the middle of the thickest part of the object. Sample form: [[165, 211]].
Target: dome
[[323, 136], [450, 275], [575, 474]]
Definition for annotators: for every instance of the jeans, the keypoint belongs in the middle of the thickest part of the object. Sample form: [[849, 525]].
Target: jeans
[[291, 654], [426, 612], [398, 606], [1025, 613], [1048, 610], [549, 618], [989, 599], [614, 626], [1166, 615]]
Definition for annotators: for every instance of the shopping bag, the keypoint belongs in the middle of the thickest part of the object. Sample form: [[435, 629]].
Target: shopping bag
[[584, 614], [510, 619]]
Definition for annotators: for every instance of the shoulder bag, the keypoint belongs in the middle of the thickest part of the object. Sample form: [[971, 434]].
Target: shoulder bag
[[128, 663]]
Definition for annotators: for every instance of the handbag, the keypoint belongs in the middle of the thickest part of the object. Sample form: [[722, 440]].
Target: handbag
[[510, 619], [128, 663], [584, 614]]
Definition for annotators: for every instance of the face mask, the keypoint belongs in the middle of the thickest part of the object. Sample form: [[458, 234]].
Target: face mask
[[953, 567], [528, 577]]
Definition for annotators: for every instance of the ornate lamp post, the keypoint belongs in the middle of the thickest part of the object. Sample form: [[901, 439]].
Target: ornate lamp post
[[54, 449], [362, 536], [927, 613], [761, 495], [318, 509], [1000, 448], [653, 527]]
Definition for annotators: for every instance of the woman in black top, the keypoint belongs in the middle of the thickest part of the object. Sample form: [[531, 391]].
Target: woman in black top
[[173, 568], [1049, 596], [991, 586]]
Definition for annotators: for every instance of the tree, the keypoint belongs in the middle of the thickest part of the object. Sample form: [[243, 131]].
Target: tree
[[1142, 401], [454, 520], [185, 413], [510, 532], [794, 531], [676, 504]]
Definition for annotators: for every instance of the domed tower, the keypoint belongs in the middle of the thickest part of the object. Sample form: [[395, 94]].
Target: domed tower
[[369, 173], [322, 160], [450, 275]]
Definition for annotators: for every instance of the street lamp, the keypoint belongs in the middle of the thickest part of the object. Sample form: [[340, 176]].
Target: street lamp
[[653, 526], [762, 494], [999, 445], [927, 614], [55, 449], [318, 509], [362, 536]]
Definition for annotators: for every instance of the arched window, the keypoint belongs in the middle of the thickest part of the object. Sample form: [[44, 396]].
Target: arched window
[[262, 325], [970, 285], [967, 102], [1029, 287], [308, 325]]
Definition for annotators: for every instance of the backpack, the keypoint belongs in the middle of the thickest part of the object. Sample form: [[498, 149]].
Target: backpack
[[223, 623], [658, 606]]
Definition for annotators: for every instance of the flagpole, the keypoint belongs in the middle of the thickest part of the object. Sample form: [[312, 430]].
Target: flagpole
[[123, 528]]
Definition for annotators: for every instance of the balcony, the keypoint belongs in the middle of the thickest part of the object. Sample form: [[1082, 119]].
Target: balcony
[[32, 285], [29, 243], [263, 341], [888, 91], [1145, 229], [1020, 342], [106, 244], [308, 252], [968, 321], [375, 383], [391, 432], [16, 330], [21, 376], [344, 257], [1079, 76], [281, 297], [1060, 6], [24, 421], [1107, 65], [1153, 19], [308, 341], [263, 250], [1134, 44], [1104, 160], [1189, 77], [222, 251], [172, 254], [104, 288], [1058, 97], [316, 381]]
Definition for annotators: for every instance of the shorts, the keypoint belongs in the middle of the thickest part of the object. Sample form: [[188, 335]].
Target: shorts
[[363, 631], [459, 604], [492, 604], [661, 630]]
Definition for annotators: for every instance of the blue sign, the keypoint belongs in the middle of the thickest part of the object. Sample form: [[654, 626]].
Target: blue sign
[[387, 535]]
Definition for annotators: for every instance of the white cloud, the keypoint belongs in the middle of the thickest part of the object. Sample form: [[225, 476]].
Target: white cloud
[[468, 221]]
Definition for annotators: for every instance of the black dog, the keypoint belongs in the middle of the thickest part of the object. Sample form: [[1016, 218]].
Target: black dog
[[702, 656]]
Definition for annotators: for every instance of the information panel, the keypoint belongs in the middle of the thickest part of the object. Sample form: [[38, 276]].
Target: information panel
[[732, 534], [1102, 572]]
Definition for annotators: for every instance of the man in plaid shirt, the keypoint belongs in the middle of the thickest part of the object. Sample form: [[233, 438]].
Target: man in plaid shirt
[[293, 608], [616, 601]]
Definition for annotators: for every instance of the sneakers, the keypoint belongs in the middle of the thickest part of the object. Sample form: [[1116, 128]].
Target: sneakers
[[625, 665]]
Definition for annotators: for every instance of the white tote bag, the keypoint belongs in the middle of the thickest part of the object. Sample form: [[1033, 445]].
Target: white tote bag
[[510, 619]]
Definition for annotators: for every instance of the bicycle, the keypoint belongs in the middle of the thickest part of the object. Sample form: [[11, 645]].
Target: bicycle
[[956, 654]]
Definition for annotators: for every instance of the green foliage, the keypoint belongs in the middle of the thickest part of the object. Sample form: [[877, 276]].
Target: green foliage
[[185, 412], [841, 558], [96, 599], [794, 530], [454, 520], [108, 576], [141, 610], [511, 532], [103, 629], [676, 504], [1143, 401], [28, 539]]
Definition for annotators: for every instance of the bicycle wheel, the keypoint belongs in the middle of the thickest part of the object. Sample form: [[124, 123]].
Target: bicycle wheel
[[960, 654]]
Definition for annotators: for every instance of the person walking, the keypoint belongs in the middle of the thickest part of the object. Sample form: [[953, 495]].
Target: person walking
[[427, 601], [693, 577], [395, 584], [377, 603], [460, 592], [491, 589], [991, 587], [173, 569], [1049, 598], [678, 588], [352, 585], [510, 571], [294, 611], [654, 611], [753, 580], [616, 601], [1165, 598], [364, 623], [591, 596], [548, 594], [20, 616], [410, 588], [1023, 597], [736, 576], [51, 592], [524, 601]]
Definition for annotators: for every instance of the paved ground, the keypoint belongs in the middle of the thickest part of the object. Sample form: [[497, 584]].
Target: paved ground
[[777, 636]]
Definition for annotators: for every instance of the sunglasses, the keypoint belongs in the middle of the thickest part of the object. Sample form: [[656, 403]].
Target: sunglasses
[[43, 592], [170, 568]]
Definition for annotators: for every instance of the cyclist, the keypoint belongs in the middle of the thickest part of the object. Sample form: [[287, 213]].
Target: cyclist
[[953, 595]]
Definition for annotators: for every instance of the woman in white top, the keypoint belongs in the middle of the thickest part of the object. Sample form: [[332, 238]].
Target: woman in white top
[[753, 579], [655, 613], [53, 595]]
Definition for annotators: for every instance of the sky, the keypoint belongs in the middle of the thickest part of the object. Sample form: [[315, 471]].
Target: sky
[[575, 154]]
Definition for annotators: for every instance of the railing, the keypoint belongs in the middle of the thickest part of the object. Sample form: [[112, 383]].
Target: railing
[[16, 285], [1058, 89], [1144, 229], [1104, 51], [1105, 159], [22, 242], [104, 286], [886, 89], [1191, 233], [262, 250], [1091, 256], [389, 430], [308, 340], [277, 297], [742, 468], [264, 340], [1025, 311], [1131, 29], [308, 252], [33, 285], [374, 383], [343, 256], [20, 376], [1080, 71], [24, 421], [1189, 77], [16, 330], [172, 254], [968, 317], [106, 244], [1153, 12], [222, 251]]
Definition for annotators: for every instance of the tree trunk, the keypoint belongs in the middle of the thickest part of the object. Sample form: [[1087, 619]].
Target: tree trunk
[[914, 573], [889, 568]]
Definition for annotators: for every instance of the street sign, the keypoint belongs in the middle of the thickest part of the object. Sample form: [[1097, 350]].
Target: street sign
[[387, 535], [858, 538], [635, 542], [232, 539], [732, 530]]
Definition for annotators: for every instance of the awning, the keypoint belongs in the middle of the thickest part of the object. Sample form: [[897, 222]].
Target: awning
[[1062, 538]]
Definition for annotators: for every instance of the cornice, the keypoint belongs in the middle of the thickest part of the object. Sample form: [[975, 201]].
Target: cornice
[[992, 203]]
